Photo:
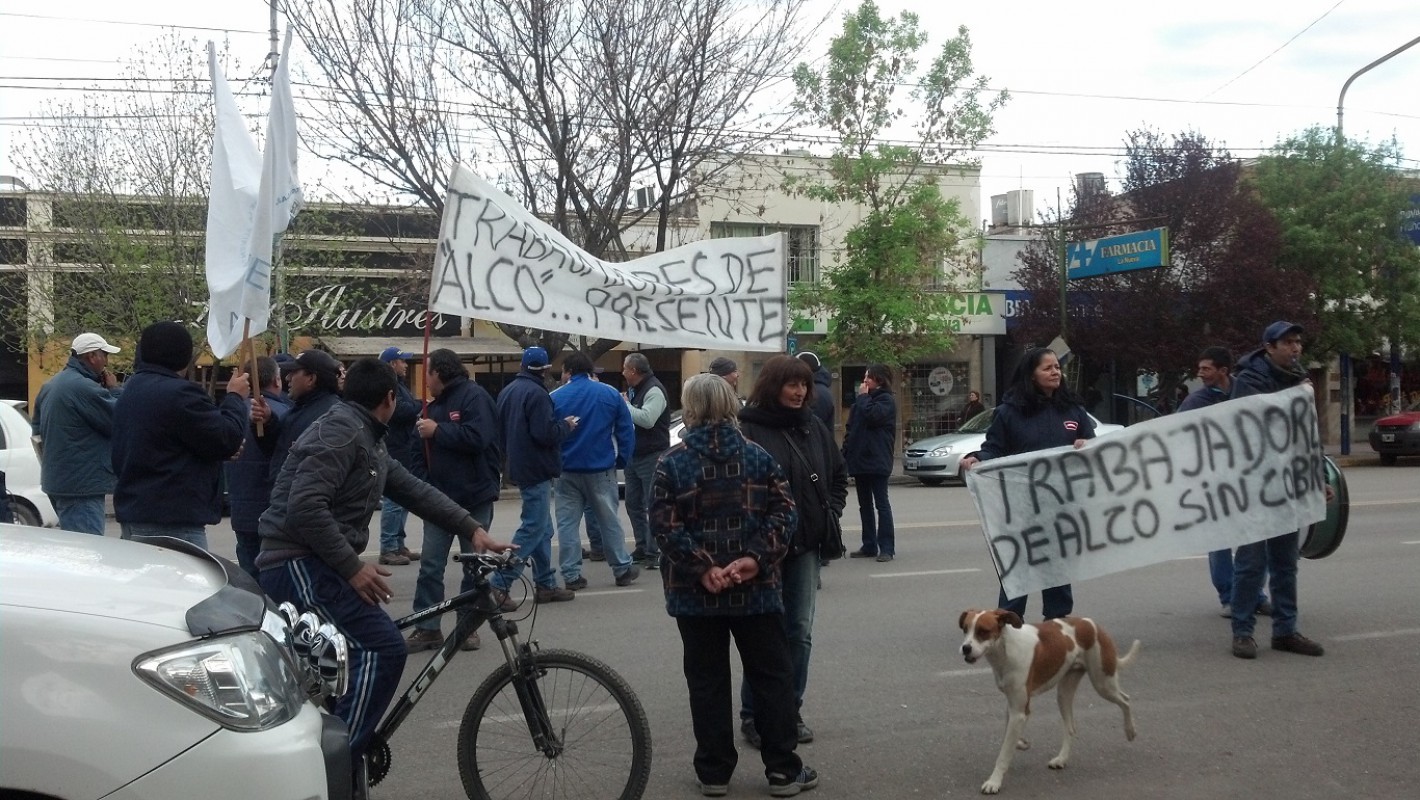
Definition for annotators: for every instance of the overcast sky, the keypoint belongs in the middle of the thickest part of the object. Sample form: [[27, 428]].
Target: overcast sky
[[1081, 73]]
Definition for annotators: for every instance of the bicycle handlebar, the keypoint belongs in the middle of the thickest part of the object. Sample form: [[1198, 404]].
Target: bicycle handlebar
[[492, 560]]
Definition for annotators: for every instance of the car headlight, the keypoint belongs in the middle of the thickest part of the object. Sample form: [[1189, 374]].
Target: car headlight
[[242, 682], [944, 450]]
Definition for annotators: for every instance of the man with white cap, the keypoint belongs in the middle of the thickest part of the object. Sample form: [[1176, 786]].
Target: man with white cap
[[74, 420]]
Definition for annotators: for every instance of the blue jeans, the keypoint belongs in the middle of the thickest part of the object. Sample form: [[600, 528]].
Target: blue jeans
[[594, 531], [1220, 570], [800, 587], [377, 651], [533, 538], [640, 475], [196, 534], [878, 534], [392, 518], [80, 513], [248, 548], [1251, 566], [576, 492], [434, 561], [1057, 601]]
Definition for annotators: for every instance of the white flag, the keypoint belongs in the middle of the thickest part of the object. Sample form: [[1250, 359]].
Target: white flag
[[231, 202], [241, 290]]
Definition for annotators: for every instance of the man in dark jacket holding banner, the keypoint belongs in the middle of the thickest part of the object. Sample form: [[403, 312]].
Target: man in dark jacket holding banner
[[460, 432], [1274, 367]]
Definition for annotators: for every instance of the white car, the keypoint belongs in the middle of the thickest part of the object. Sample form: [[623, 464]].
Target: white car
[[20, 464], [936, 460], [134, 670]]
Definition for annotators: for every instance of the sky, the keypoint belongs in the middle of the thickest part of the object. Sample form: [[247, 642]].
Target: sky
[[1081, 74]]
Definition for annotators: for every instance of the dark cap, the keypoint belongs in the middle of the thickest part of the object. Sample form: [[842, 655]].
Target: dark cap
[[1279, 330], [535, 359], [393, 353], [723, 366], [285, 362], [811, 359], [166, 344], [318, 362]]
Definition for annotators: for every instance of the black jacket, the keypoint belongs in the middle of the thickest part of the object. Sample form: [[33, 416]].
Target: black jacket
[[464, 457], [531, 431], [278, 437], [249, 475], [169, 443], [1256, 374], [772, 429], [870, 439], [330, 486], [824, 406], [1018, 427], [403, 443]]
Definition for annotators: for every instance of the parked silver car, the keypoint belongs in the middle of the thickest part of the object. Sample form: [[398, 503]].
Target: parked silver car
[[138, 670], [936, 460], [20, 464]]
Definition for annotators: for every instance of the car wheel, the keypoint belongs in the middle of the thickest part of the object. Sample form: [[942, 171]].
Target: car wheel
[[24, 515], [1388, 459], [932, 481]]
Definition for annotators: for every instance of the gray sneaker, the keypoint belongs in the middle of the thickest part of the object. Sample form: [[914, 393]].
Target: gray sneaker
[[577, 584], [629, 576], [784, 786]]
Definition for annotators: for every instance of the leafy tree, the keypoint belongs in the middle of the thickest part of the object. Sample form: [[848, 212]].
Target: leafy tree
[[1224, 284], [886, 294], [1340, 210]]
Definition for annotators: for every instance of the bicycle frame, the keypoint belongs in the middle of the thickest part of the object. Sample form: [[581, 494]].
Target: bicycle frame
[[476, 607]]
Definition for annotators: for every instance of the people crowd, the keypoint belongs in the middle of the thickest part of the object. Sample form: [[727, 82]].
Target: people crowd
[[740, 513]]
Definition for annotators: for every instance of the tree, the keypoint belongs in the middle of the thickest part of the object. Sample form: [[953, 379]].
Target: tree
[[1340, 209], [578, 102], [1224, 284], [885, 295], [133, 158]]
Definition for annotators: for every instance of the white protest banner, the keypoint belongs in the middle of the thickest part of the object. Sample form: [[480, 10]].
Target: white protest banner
[[1185, 484], [499, 262], [241, 287]]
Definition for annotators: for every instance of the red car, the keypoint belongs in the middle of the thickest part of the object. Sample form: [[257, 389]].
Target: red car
[[1397, 435]]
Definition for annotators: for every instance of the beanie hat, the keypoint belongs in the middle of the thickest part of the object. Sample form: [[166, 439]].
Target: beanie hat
[[535, 359], [166, 344], [723, 367]]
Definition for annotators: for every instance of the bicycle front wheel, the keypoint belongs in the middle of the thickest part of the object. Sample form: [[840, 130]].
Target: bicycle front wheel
[[602, 738]]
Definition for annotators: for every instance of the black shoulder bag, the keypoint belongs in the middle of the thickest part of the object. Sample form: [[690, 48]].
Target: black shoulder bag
[[831, 547]]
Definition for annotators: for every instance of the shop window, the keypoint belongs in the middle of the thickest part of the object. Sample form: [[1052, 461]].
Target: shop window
[[935, 395]]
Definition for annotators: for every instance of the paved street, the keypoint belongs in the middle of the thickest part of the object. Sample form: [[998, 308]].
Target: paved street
[[898, 714]]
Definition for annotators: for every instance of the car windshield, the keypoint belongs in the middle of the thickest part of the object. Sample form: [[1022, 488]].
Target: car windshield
[[978, 423]]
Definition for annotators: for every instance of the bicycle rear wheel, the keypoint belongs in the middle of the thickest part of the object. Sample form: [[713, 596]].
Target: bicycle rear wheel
[[604, 739]]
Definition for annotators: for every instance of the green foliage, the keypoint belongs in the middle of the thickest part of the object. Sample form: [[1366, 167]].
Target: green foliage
[[1339, 208], [888, 293]]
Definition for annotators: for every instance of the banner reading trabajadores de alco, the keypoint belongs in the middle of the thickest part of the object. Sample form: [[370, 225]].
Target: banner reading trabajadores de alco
[[1185, 484]]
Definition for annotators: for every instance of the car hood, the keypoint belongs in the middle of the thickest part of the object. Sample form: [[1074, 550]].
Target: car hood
[[934, 442], [1400, 420], [107, 577]]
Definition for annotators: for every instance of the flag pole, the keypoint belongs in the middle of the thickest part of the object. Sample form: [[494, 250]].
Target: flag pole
[[424, 395], [247, 357]]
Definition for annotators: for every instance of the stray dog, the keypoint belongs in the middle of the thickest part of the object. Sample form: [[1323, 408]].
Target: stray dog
[[1030, 659]]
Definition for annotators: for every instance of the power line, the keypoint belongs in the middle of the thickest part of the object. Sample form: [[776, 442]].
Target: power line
[[57, 18], [1273, 53]]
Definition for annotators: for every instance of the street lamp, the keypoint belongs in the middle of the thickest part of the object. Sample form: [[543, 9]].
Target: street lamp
[[1347, 401]]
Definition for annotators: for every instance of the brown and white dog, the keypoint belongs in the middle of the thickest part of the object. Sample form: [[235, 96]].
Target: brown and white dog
[[1031, 659]]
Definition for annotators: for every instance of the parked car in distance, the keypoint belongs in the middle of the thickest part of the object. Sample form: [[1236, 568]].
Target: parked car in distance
[[937, 459], [677, 431], [20, 463], [157, 671], [1397, 435]]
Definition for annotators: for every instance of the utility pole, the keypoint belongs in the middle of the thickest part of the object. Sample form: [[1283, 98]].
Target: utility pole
[[1347, 401]]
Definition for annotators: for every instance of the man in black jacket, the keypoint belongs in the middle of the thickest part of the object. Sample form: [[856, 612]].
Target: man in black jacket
[[318, 524], [1274, 367], [315, 387], [170, 441], [460, 433], [404, 446]]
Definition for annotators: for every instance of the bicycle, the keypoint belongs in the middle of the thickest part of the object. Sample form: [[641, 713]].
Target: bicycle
[[545, 723]]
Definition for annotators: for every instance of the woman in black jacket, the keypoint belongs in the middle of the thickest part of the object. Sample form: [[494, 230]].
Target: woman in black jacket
[[868, 446], [779, 418], [1038, 412]]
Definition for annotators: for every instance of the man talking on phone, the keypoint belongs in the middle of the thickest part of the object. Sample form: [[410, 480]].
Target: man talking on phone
[[73, 417]]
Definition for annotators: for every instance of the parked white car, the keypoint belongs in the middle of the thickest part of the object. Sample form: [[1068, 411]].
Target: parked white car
[[20, 464], [133, 670], [936, 460]]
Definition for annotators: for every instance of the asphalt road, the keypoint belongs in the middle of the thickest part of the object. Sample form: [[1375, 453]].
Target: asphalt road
[[898, 714]]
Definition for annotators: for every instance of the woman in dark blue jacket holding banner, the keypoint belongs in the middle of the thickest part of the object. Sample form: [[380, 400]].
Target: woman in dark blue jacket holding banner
[[1037, 413]]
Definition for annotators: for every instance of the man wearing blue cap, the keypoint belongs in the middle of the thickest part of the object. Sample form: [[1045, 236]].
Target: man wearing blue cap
[[1273, 368], [404, 448], [532, 441]]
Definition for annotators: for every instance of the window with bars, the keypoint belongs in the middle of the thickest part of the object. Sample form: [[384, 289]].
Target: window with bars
[[803, 245]]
